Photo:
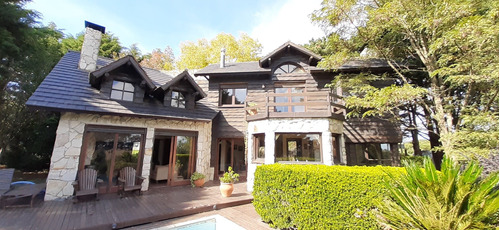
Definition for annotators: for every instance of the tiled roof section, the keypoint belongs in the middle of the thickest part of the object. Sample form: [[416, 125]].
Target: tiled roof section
[[371, 130], [157, 77], [233, 68], [67, 88]]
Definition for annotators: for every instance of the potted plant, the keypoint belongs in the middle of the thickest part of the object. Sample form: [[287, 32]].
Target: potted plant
[[197, 179], [226, 182]]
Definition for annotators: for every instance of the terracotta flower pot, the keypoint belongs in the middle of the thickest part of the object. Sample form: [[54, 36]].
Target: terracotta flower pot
[[199, 182], [226, 189]]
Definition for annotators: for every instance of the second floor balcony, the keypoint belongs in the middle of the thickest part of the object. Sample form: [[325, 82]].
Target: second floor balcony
[[289, 104]]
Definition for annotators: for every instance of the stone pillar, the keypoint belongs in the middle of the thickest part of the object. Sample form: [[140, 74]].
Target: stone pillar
[[269, 140], [148, 154], [343, 151], [327, 148]]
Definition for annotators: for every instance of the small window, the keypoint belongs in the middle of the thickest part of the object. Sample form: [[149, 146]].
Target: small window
[[231, 95], [122, 91], [288, 68], [260, 147], [178, 100], [297, 147]]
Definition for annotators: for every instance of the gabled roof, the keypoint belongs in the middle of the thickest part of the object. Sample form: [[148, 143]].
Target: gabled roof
[[66, 89], [185, 75], [96, 76], [265, 61]]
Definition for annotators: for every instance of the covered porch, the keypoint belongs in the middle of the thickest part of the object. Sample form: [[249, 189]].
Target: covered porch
[[159, 203]]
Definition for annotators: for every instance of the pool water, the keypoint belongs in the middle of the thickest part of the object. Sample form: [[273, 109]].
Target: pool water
[[214, 222]]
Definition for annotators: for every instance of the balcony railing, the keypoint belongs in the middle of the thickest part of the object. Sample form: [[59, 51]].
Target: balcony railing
[[297, 105]]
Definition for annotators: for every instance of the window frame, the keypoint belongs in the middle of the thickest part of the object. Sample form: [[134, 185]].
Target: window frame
[[123, 90], [256, 145], [288, 64], [289, 87], [300, 162], [177, 99], [233, 87]]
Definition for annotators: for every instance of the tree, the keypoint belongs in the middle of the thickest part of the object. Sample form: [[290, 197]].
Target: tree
[[200, 54], [133, 51], [455, 42], [110, 45], [28, 52], [159, 60]]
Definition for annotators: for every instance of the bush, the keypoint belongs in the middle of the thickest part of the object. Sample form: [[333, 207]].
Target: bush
[[448, 199], [320, 196]]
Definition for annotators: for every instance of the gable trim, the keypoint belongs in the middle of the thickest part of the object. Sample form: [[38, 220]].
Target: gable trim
[[266, 61], [185, 74], [95, 76]]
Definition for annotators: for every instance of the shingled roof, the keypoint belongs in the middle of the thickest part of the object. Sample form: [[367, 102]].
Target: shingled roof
[[67, 89]]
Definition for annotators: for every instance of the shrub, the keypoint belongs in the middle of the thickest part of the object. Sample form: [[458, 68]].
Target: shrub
[[319, 196], [450, 199], [230, 176]]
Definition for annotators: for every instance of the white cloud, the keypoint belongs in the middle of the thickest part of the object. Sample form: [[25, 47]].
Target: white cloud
[[288, 22]]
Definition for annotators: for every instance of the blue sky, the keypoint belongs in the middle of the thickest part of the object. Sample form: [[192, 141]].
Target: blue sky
[[158, 24]]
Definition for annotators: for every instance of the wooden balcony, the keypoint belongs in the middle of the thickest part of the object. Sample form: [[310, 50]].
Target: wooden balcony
[[321, 104]]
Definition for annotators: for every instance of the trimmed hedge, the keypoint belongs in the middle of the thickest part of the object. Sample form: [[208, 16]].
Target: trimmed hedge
[[319, 196]]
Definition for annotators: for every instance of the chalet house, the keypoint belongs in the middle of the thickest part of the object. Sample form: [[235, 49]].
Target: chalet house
[[115, 113]]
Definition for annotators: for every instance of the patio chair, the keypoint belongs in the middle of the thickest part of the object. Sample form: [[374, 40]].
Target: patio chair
[[5, 180], [129, 181], [86, 185]]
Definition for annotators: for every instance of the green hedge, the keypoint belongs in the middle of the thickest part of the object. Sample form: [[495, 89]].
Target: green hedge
[[319, 196]]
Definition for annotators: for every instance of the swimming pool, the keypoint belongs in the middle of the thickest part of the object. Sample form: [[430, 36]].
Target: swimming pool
[[215, 222]]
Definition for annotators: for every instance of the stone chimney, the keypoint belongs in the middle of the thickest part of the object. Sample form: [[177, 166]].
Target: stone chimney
[[90, 47], [222, 58]]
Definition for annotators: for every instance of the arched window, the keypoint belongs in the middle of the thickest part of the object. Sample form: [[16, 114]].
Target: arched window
[[288, 68]]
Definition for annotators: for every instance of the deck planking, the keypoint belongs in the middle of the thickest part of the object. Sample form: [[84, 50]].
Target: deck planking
[[157, 204]]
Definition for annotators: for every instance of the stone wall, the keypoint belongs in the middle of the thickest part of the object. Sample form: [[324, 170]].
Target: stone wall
[[69, 139], [290, 125]]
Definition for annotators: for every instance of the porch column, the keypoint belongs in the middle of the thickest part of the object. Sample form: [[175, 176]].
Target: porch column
[[269, 141], [148, 154], [343, 151], [395, 159], [326, 148]]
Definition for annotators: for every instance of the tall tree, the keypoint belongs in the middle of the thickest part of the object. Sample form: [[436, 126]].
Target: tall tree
[[455, 41], [202, 53], [110, 44], [159, 60], [133, 50], [28, 52]]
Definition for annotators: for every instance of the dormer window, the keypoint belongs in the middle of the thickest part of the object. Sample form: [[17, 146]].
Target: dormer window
[[122, 91], [288, 68], [178, 100]]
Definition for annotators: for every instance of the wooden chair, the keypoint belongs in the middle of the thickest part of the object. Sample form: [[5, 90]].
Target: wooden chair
[[86, 185], [129, 181]]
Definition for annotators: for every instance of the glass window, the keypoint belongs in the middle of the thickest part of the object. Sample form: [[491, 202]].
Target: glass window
[[122, 91], [369, 154], [109, 152], [289, 98], [178, 100], [260, 146], [233, 95], [298, 147], [288, 68]]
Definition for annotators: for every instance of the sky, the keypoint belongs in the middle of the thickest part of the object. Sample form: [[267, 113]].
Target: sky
[[157, 24]]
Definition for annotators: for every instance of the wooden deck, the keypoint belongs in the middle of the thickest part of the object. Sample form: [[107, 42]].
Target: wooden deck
[[160, 203]]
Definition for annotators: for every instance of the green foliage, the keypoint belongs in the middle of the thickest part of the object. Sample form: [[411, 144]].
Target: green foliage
[[450, 199], [424, 146], [202, 53], [456, 43], [28, 51], [110, 45], [196, 176], [230, 176], [319, 196]]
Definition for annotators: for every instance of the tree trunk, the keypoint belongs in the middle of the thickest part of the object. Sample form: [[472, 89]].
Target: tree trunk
[[437, 155], [414, 133]]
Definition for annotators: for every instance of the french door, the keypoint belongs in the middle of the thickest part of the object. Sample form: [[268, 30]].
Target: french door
[[231, 153], [182, 156]]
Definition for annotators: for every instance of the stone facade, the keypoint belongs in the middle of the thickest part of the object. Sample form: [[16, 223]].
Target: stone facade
[[326, 127], [90, 49], [69, 139]]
